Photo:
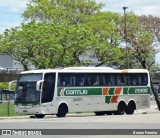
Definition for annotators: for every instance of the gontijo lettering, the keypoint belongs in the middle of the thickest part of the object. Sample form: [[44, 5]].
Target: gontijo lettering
[[76, 92]]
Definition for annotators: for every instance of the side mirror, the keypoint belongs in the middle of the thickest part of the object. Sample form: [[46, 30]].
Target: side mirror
[[10, 84], [39, 85]]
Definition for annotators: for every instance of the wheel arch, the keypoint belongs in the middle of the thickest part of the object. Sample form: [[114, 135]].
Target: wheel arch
[[132, 101], [121, 101], [61, 104]]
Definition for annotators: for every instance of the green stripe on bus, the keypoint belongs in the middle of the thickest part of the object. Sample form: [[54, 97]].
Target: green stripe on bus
[[139, 90], [111, 91], [98, 91], [125, 90], [79, 91], [107, 99]]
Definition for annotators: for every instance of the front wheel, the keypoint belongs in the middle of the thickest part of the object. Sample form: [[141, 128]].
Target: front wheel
[[99, 113], [39, 116], [62, 110]]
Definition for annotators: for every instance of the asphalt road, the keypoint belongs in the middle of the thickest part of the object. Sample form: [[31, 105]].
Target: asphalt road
[[142, 119], [86, 121]]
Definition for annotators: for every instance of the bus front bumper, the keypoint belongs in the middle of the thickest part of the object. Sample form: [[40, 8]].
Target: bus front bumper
[[28, 110]]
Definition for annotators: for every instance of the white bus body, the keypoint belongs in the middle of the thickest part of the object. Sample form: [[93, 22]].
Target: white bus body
[[82, 89]]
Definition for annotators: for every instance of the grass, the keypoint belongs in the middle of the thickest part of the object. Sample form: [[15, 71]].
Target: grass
[[4, 109]]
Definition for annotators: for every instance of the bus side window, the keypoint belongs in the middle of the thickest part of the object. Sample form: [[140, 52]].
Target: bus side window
[[108, 79], [128, 79], [118, 79], [139, 79], [60, 80], [134, 82], [113, 80], [144, 79], [123, 79], [86, 81], [63, 79], [94, 80], [79, 79], [63, 83], [132, 79], [101, 80]]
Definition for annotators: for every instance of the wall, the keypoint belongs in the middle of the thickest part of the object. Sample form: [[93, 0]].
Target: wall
[[6, 61], [9, 75]]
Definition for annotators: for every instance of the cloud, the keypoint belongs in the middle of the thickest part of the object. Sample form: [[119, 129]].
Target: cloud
[[139, 7], [10, 13], [147, 7], [15, 6], [148, 10]]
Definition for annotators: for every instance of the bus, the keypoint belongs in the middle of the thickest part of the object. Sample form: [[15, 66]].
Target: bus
[[101, 90]]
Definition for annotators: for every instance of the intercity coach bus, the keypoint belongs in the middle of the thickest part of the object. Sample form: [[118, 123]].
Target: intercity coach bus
[[101, 90]]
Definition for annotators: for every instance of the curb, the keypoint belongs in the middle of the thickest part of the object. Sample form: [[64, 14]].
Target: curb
[[14, 117], [152, 109]]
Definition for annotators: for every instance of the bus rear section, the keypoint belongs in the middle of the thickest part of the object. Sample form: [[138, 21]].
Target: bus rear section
[[112, 92]]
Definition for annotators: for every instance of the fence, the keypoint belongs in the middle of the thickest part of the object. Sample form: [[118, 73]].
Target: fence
[[7, 103], [6, 96]]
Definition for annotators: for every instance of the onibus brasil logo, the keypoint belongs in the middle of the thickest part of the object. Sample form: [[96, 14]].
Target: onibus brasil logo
[[72, 92]]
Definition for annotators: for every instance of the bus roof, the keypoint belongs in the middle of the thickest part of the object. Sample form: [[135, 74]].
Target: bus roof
[[87, 69]]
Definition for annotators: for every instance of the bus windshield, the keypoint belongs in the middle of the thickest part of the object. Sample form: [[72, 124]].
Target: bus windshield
[[26, 89]]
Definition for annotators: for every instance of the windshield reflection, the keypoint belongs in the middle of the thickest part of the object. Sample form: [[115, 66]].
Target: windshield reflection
[[26, 92]]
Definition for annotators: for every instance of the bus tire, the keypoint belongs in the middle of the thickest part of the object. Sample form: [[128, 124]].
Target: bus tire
[[121, 108], [109, 112], [62, 110], [130, 108], [99, 113], [39, 115]]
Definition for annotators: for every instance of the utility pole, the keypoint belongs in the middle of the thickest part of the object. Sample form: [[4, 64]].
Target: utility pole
[[125, 36]]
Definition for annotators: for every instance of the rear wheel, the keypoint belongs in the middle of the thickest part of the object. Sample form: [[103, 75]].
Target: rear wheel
[[99, 113], [39, 116], [62, 110], [130, 108], [121, 109]]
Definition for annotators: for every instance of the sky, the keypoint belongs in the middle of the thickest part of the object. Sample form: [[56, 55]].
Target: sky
[[11, 10], [139, 7]]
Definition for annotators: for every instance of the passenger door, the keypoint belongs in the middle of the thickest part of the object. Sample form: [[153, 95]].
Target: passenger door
[[48, 87]]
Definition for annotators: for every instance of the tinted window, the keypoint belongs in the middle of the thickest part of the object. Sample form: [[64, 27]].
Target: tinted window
[[30, 77], [102, 79], [48, 87]]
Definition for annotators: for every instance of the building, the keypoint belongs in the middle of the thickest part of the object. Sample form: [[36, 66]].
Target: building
[[7, 61]]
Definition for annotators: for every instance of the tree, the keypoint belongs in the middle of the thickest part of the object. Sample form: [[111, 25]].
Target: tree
[[152, 24], [45, 45], [85, 14], [67, 12], [140, 41], [140, 38], [11, 44], [55, 34], [106, 49]]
